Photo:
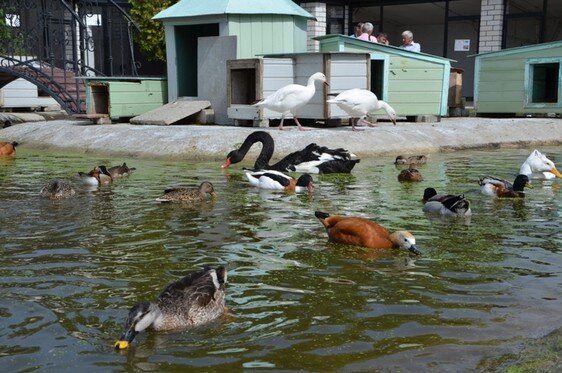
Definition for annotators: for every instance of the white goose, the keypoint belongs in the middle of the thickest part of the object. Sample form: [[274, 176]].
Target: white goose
[[359, 103], [538, 166], [288, 99]]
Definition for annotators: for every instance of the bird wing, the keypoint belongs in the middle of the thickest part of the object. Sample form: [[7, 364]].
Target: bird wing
[[496, 182], [286, 98], [195, 288]]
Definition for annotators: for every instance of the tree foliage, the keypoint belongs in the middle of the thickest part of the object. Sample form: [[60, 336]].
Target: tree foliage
[[151, 38]]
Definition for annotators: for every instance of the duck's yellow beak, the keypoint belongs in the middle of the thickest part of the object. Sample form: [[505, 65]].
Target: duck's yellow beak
[[121, 345], [556, 172]]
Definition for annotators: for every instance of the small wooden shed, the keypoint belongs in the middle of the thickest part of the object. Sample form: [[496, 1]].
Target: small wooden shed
[[249, 80], [518, 81], [413, 83], [251, 28]]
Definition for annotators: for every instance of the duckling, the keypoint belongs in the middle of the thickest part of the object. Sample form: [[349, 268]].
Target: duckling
[[8, 149], [493, 186], [414, 159], [411, 175], [445, 204], [184, 194], [276, 180], [57, 189], [196, 299], [98, 176], [364, 232], [120, 171], [538, 166]]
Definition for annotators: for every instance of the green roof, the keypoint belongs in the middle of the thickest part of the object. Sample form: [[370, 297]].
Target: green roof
[[195, 8], [522, 49]]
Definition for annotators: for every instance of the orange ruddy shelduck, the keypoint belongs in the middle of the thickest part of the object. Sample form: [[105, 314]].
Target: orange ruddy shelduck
[[8, 148], [364, 232]]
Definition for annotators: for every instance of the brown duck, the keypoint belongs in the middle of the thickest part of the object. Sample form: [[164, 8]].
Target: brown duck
[[410, 175], [184, 194], [8, 149]]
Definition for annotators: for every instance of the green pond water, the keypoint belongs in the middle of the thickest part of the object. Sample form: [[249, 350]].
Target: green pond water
[[70, 270]]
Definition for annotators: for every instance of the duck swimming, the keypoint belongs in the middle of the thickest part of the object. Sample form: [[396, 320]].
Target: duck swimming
[[364, 232], [275, 180], [358, 103], [184, 194], [98, 176], [493, 186], [414, 159], [57, 189], [8, 149], [410, 175], [196, 299], [290, 98], [120, 171], [313, 159], [445, 204], [538, 166]]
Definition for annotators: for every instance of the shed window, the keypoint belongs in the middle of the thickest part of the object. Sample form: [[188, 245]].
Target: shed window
[[545, 82]]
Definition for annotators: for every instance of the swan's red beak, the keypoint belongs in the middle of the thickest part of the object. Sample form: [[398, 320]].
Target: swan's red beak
[[226, 163]]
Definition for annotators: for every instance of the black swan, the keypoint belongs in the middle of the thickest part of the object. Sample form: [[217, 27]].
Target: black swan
[[312, 159]]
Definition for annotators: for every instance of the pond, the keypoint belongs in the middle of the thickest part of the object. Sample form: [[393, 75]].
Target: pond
[[70, 270]]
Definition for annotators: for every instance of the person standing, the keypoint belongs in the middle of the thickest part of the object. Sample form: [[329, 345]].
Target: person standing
[[367, 33], [408, 42], [357, 30]]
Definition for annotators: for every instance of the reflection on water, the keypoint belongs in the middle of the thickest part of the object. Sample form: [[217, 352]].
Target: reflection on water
[[70, 269]]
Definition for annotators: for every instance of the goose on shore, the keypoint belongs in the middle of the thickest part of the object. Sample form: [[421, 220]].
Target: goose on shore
[[290, 98], [313, 159], [359, 103], [196, 299], [363, 232]]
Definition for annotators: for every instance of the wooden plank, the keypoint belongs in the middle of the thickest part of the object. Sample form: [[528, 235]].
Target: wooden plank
[[171, 112], [501, 86], [431, 86], [416, 74], [409, 97]]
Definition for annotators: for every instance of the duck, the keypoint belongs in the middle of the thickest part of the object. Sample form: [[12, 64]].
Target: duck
[[120, 171], [205, 191], [290, 98], [363, 232], [446, 204], [196, 299], [411, 174], [98, 176], [414, 159], [359, 103], [8, 149], [313, 159], [493, 186], [57, 189], [538, 166], [275, 180]]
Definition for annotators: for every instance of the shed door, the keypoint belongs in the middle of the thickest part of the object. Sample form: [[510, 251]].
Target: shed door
[[186, 55]]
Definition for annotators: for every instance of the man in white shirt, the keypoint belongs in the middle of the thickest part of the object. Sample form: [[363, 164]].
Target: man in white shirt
[[408, 42]]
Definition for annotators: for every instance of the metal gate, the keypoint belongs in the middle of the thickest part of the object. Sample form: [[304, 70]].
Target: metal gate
[[53, 42]]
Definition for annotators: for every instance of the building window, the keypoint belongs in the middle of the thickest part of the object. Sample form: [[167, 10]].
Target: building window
[[334, 19], [531, 22]]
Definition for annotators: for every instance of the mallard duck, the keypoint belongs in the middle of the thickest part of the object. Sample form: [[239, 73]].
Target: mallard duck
[[358, 103], [410, 175], [364, 232], [8, 149], [276, 180], [493, 186], [414, 159], [120, 171], [98, 176], [445, 204], [196, 299], [538, 166], [290, 98], [57, 189], [313, 159], [184, 194]]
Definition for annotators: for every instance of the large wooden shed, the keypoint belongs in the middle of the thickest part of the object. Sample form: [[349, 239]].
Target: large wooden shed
[[240, 29], [518, 81], [414, 84]]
